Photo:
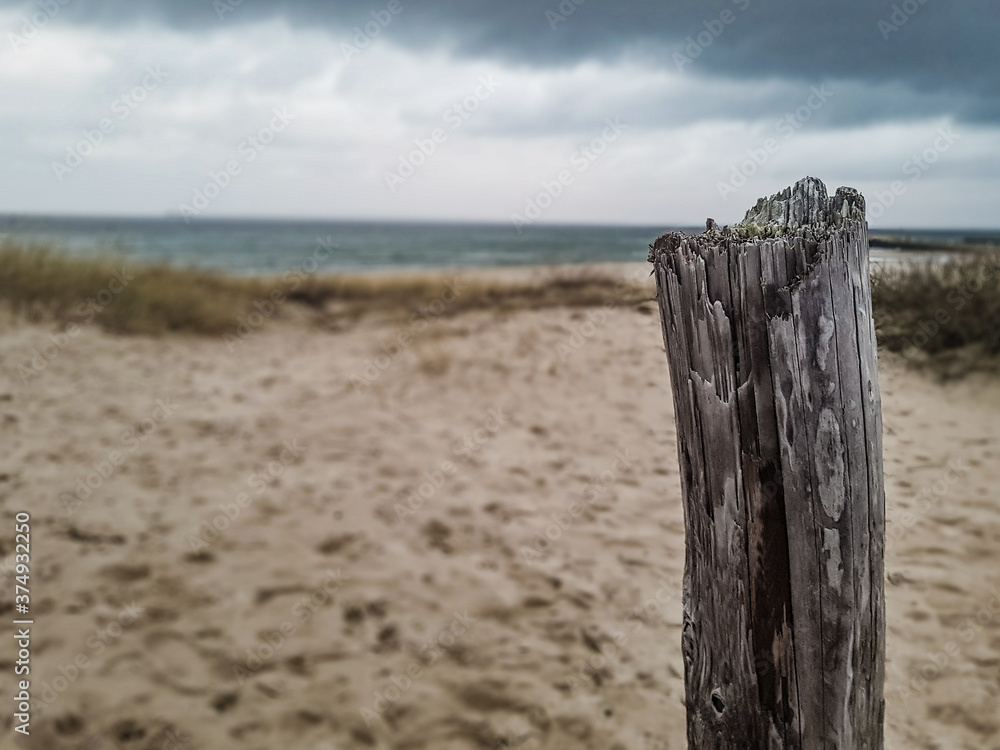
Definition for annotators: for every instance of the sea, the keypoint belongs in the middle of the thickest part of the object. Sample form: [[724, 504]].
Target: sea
[[264, 247]]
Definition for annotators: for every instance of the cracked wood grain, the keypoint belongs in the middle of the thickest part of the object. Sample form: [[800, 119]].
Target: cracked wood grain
[[769, 336]]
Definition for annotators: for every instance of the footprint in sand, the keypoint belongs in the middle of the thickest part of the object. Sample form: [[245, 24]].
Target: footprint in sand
[[334, 544], [125, 573], [201, 557], [180, 665], [438, 535], [224, 701], [496, 699]]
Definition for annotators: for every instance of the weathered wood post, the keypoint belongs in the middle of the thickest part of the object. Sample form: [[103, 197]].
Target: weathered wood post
[[769, 335]]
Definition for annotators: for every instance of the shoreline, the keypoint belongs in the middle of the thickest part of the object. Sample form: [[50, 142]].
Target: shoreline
[[884, 248]]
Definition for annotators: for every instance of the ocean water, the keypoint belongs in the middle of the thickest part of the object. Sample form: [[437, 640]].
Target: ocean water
[[241, 246]]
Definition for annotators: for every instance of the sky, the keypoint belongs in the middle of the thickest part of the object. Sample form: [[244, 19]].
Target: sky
[[659, 112]]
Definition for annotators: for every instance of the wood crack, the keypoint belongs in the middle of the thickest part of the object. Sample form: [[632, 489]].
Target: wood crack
[[768, 333]]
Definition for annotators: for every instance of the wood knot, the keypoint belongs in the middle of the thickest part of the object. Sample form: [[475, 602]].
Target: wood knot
[[717, 703]]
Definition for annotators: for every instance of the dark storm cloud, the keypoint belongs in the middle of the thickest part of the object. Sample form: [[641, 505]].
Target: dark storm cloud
[[942, 50]]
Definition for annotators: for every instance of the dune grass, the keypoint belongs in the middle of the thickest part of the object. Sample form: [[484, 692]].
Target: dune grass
[[921, 307], [442, 293], [929, 309], [37, 283]]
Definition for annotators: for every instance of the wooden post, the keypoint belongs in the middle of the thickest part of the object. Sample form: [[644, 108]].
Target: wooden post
[[769, 335]]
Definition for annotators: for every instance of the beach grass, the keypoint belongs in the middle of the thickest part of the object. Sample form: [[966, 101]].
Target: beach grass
[[922, 309], [925, 309], [37, 283]]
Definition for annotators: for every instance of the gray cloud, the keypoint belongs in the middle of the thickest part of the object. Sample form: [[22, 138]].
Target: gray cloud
[[687, 130], [943, 56]]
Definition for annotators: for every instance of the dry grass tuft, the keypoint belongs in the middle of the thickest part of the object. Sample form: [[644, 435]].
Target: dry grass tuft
[[934, 308], [921, 308], [37, 283]]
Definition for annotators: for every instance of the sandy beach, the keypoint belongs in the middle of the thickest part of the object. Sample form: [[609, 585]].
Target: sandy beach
[[442, 532]]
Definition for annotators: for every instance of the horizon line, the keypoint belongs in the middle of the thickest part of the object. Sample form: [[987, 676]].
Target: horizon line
[[206, 220]]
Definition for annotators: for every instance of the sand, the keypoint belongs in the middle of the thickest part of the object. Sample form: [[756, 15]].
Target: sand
[[380, 579]]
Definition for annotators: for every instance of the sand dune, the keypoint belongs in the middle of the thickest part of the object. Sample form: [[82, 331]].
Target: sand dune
[[314, 543]]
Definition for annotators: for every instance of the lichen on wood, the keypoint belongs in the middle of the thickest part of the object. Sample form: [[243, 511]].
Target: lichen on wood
[[769, 336]]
